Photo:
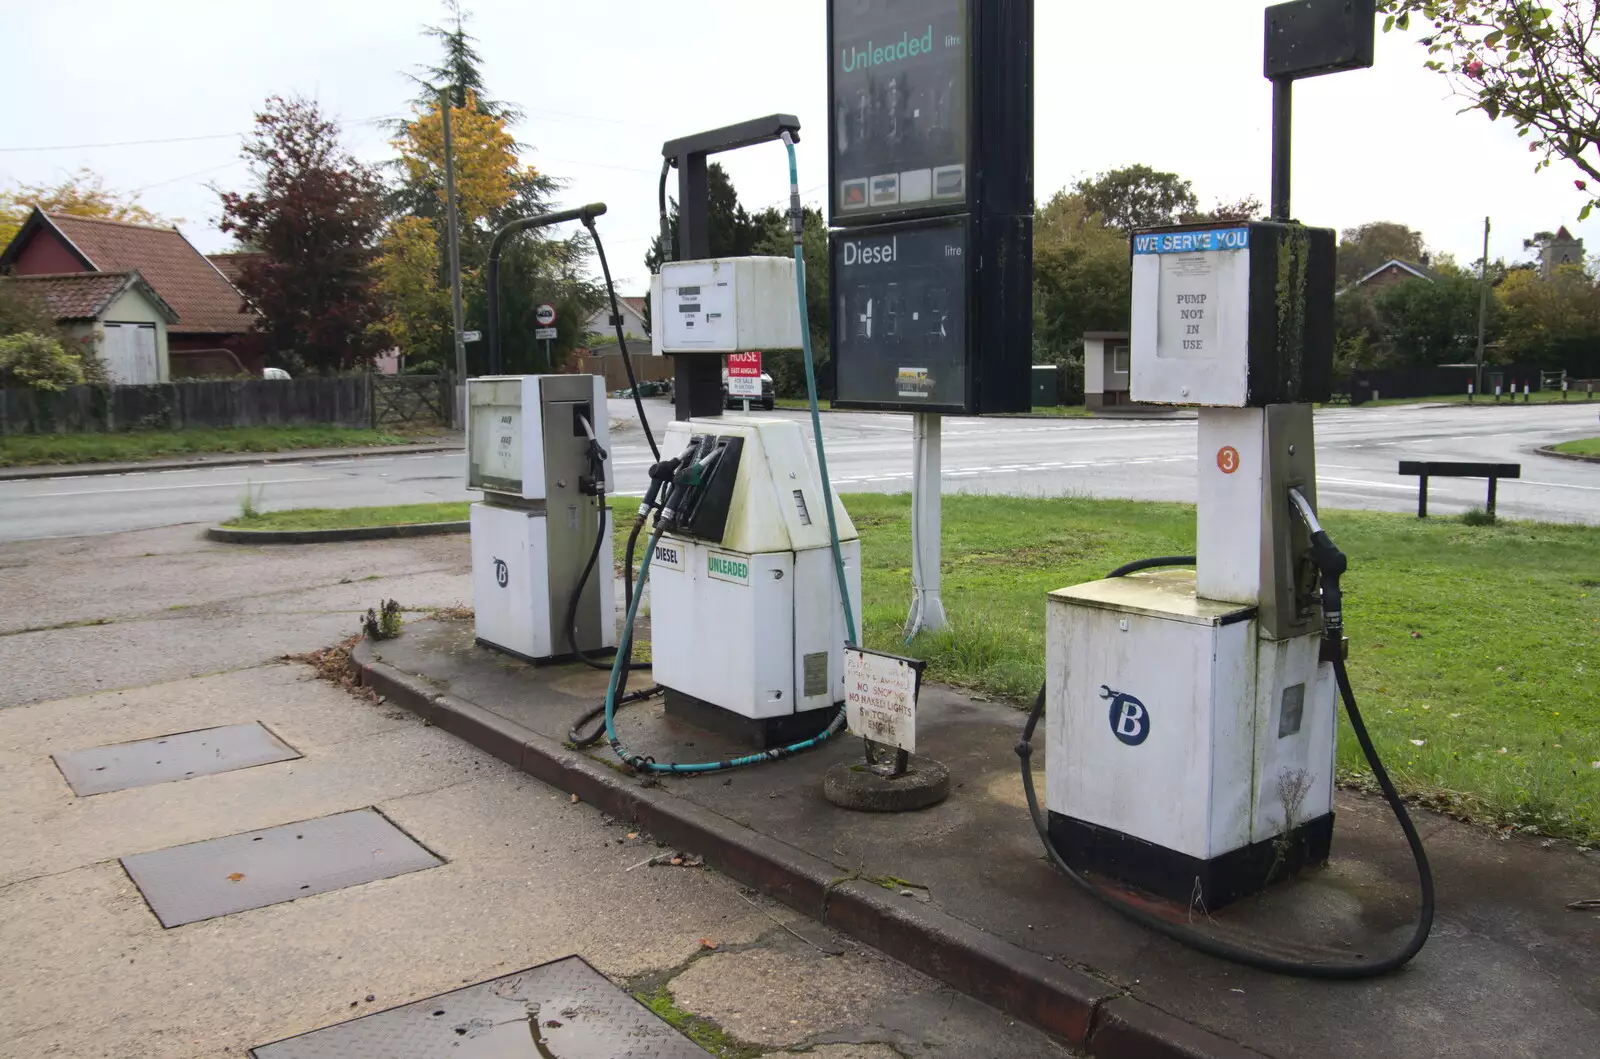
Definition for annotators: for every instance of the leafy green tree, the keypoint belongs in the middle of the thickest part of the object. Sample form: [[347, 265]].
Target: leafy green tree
[[787, 367], [1367, 246], [1552, 322], [1426, 322], [1081, 277], [1532, 64], [1137, 196], [37, 362]]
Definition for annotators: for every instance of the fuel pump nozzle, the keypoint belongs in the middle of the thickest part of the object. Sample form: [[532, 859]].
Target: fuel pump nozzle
[[1330, 563], [593, 483]]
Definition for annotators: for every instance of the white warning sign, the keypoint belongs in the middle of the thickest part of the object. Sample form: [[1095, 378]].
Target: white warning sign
[[880, 697]]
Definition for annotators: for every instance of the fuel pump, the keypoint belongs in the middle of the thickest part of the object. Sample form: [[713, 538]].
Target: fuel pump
[[1210, 776], [758, 571]]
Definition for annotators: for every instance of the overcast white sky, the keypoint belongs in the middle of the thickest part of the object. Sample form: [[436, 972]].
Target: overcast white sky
[[1175, 84]]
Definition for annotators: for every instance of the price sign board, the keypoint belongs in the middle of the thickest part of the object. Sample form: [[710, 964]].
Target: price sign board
[[880, 697], [932, 266], [744, 374]]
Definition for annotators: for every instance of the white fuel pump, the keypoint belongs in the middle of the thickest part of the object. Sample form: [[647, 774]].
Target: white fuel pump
[[1192, 713], [744, 605], [1229, 741], [536, 446]]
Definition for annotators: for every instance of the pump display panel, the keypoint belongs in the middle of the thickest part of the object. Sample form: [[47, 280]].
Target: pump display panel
[[901, 108]]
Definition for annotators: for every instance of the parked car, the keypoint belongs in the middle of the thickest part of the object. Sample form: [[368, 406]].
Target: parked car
[[768, 398], [274, 373]]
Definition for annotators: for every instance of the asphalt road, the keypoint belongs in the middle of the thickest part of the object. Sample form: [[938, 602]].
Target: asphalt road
[[1357, 455]]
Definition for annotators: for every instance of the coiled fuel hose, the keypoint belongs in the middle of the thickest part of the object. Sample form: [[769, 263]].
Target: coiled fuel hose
[[1331, 562]]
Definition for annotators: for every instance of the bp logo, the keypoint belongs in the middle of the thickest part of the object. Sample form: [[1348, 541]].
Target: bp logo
[[1130, 721], [502, 576]]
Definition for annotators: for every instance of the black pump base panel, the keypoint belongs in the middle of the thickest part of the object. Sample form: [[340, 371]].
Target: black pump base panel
[[1178, 876], [759, 734]]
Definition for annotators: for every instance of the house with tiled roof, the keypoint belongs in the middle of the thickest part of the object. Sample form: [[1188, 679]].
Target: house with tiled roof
[[116, 316], [212, 316]]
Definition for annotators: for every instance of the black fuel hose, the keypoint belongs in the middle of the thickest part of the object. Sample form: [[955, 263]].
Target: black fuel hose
[[582, 740], [622, 341], [577, 594], [1216, 947]]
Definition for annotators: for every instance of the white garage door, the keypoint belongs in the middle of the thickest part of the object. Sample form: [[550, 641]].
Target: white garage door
[[130, 354]]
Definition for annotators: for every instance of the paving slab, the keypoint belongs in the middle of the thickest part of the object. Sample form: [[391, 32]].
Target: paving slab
[[1509, 970], [235, 873], [165, 758], [563, 1008]]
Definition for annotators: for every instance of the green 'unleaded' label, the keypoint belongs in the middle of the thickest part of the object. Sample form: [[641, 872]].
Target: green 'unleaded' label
[[730, 568]]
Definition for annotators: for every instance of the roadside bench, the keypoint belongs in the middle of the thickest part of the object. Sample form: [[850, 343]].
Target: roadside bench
[[1426, 469]]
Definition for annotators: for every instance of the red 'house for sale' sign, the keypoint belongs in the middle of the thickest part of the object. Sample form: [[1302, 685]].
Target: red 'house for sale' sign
[[744, 374]]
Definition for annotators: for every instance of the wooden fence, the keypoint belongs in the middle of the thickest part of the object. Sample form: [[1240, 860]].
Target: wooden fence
[[346, 402]]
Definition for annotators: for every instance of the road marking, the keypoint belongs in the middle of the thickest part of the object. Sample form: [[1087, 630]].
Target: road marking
[[164, 488]]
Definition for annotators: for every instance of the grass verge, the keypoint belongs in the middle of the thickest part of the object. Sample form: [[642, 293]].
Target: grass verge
[[25, 450], [1473, 650], [1581, 447], [1059, 411], [1536, 397], [315, 518]]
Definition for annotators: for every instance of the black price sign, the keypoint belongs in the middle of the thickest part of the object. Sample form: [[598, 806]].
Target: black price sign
[[901, 108], [900, 315]]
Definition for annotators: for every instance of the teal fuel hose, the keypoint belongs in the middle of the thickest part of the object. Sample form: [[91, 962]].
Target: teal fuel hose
[[624, 649]]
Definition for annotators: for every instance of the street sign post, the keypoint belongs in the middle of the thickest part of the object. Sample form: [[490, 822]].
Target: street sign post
[[545, 334], [472, 336]]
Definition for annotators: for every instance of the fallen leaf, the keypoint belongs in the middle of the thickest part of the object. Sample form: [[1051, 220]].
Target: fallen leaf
[[632, 835], [237, 876], [707, 943], [1419, 742], [1415, 635], [1502, 750], [676, 861], [573, 798]]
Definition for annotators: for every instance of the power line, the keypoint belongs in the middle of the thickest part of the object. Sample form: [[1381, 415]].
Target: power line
[[168, 139]]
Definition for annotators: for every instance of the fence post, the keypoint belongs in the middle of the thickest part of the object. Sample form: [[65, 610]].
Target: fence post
[[1493, 482], [1422, 496], [372, 400]]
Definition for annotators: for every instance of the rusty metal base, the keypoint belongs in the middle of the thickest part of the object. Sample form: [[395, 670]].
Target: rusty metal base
[[564, 1008]]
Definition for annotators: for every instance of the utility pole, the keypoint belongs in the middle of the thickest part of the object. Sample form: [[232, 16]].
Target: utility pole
[[1483, 300], [453, 242]]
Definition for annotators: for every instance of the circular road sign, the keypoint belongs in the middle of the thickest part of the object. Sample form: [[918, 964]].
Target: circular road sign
[[545, 315]]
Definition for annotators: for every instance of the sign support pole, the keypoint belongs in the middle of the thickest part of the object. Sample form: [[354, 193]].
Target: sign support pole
[[927, 474]]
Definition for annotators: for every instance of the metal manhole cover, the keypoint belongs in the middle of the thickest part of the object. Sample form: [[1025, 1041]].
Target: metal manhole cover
[[203, 880], [102, 769], [560, 1010]]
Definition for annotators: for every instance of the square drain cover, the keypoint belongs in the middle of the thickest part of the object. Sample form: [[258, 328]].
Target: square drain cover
[[565, 1008], [101, 769], [203, 880]]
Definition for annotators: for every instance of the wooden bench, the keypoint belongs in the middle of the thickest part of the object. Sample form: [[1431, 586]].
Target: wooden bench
[[1426, 469]]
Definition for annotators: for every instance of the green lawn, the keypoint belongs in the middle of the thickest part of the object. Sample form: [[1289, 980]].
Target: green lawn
[[1582, 447], [23, 450], [350, 517], [1536, 397], [1482, 642]]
